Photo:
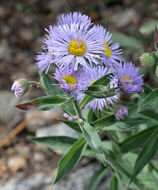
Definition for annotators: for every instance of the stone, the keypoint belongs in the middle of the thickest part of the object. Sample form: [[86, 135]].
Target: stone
[[15, 163], [44, 118], [36, 181], [125, 17], [26, 34], [3, 167], [8, 110]]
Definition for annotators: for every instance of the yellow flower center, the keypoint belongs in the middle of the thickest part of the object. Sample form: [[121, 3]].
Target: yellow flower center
[[107, 49], [92, 82], [126, 78], [77, 47], [50, 53], [70, 80]]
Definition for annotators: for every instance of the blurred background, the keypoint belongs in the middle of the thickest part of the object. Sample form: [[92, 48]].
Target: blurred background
[[25, 165]]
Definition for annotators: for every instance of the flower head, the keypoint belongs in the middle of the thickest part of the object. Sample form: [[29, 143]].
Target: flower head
[[121, 113], [88, 78], [44, 60], [111, 53], [129, 80], [20, 87], [69, 80], [75, 17], [76, 43]]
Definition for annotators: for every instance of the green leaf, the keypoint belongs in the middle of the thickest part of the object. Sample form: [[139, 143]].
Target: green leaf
[[96, 178], [115, 183], [126, 41], [92, 137], [150, 114], [100, 91], [105, 80], [153, 96], [70, 160], [149, 27], [69, 109], [43, 103], [147, 152], [120, 165], [49, 85], [63, 144], [137, 140], [60, 143], [105, 121], [72, 124]]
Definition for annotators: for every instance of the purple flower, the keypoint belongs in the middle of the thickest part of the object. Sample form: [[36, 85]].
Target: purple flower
[[44, 60], [88, 78], [121, 113], [20, 87], [75, 17], [111, 53], [129, 80], [69, 80], [74, 44]]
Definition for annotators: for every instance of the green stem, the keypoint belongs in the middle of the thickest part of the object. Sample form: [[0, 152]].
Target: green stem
[[111, 137], [77, 108]]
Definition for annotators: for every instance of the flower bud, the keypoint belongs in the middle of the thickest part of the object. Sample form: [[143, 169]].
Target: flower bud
[[68, 117], [121, 113], [156, 38], [156, 71], [20, 87], [147, 59]]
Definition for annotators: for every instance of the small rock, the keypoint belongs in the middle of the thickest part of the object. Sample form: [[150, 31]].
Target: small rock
[[37, 181], [3, 167], [15, 163], [8, 110], [125, 17], [44, 118], [59, 129], [26, 34]]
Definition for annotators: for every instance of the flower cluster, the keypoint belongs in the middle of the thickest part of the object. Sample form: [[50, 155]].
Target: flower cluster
[[83, 52]]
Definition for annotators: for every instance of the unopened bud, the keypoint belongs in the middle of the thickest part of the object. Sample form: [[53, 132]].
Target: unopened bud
[[147, 59], [68, 117], [156, 71], [156, 38], [121, 113], [20, 87]]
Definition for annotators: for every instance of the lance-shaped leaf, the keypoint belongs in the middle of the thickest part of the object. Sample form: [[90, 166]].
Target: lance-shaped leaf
[[49, 85], [92, 137], [43, 103], [137, 140], [150, 113], [105, 121], [101, 91], [60, 143], [70, 160], [104, 81], [96, 178], [121, 166], [115, 183], [69, 109], [126, 41], [72, 124], [153, 96], [146, 153]]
